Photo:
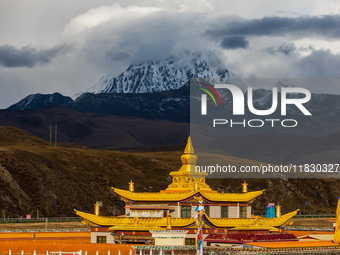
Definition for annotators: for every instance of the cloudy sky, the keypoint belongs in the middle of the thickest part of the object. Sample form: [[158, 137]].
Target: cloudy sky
[[49, 46]]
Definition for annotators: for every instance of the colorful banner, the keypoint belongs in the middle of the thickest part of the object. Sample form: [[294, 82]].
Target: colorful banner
[[199, 222]]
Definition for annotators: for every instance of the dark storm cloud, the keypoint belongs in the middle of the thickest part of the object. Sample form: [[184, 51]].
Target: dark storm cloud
[[308, 48], [234, 42], [148, 38], [325, 26], [320, 63], [120, 55], [28, 56], [285, 49]]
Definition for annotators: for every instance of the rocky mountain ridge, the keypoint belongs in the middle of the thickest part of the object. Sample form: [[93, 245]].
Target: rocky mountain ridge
[[160, 90], [170, 74]]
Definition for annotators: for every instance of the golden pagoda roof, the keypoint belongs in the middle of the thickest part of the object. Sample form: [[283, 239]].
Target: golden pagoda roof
[[252, 222], [211, 196], [232, 197], [135, 223], [153, 196]]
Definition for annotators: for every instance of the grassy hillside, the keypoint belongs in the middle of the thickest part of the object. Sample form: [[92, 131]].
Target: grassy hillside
[[57, 180]]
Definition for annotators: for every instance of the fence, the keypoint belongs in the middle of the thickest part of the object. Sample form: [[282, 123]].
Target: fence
[[281, 251], [309, 215], [78, 219], [287, 251], [37, 220], [273, 253], [315, 216], [66, 253]]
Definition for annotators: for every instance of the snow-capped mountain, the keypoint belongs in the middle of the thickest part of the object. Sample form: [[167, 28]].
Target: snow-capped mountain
[[170, 74], [37, 101], [160, 90]]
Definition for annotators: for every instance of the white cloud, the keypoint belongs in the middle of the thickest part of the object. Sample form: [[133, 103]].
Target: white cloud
[[99, 15], [107, 37]]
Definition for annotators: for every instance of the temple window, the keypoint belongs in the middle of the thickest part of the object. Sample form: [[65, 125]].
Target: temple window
[[186, 211], [190, 241], [207, 210], [101, 239], [243, 212], [224, 211]]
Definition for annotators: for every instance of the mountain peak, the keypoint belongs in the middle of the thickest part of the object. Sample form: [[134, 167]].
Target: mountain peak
[[156, 76], [36, 101]]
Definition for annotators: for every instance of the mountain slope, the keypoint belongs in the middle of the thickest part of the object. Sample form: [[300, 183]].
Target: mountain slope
[[57, 180], [170, 105], [97, 130], [37, 101]]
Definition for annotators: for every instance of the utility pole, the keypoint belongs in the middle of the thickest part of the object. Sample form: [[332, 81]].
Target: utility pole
[[50, 134], [55, 135]]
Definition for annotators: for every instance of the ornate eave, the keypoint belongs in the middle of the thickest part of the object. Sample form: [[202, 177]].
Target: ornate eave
[[251, 222], [153, 196], [177, 197], [135, 223]]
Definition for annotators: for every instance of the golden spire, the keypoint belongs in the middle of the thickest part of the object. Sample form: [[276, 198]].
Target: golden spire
[[131, 186], [187, 178], [188, 158], [189, 149], [278, 210], [244, 187], [96, 208]]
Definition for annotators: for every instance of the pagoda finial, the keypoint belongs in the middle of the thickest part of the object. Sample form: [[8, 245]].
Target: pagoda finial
[[97, 208], [131, 186], [189, 149], [188, 158], [244, 187], [278, 210]]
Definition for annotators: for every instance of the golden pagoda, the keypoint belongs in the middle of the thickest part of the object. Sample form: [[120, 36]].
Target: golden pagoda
[[174, 209]]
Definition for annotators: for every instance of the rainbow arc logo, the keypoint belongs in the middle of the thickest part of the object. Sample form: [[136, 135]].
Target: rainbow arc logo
[[212, 93]]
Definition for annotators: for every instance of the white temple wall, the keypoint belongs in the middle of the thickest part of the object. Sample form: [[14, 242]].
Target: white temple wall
[[108, 235], [193, 213], [215, 211], [176, 213], [233, 212], [248, 211]]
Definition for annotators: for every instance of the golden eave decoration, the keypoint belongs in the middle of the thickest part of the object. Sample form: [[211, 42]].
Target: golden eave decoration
[[252, 222], [135, 223], [175, 197]]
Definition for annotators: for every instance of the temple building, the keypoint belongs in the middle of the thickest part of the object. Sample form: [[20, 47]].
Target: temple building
[[173, 209]]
